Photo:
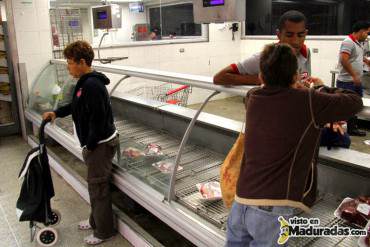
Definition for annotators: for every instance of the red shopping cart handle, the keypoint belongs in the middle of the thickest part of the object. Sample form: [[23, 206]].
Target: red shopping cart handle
[[176, 90], [173, 101]]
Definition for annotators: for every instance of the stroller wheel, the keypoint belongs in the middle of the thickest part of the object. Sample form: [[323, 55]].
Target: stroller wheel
[[47, 236], [55, 217]]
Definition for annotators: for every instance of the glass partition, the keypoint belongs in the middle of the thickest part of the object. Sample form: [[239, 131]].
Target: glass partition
[[324, 17], [152, 128], [53, 88], [147, 20]]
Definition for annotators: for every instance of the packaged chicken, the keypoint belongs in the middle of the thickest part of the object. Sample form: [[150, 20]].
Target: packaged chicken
[[131, 152], [354, 211], [364, 241], [153, 149], [166, 166], [210, 191]]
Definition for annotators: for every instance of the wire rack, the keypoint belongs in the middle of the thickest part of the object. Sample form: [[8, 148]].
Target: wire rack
[[166, 92], [66, 28], [324, 210], [203, 165]]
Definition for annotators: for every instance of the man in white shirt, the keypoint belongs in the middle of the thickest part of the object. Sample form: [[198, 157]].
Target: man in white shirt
[[351, 65], [292, 30], [366, 77]]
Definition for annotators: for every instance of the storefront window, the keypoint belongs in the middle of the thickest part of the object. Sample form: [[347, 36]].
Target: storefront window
[[324, 17], [147, 20], [174, 20]]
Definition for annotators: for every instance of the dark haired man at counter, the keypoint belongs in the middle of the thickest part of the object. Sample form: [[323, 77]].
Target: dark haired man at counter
[[351, 64], [291, 30], [278, 172], [92, 115]]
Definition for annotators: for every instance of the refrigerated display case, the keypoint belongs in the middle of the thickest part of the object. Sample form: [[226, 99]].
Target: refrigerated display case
[[190, 147]]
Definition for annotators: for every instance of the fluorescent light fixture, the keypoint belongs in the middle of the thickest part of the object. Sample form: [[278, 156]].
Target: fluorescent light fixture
[[123, 1]]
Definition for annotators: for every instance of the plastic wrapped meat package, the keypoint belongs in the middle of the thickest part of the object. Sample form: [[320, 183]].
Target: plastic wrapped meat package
[[166, 166], [132, 153], [153, 149], [354, 211], [210, 191], [132, 150], [137, 150]]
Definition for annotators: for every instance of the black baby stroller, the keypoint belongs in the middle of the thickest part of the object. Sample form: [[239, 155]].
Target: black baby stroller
[[33, 204]]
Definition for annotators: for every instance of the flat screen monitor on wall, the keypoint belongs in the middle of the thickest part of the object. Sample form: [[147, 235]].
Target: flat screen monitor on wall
[[136, 7], [211, 3]]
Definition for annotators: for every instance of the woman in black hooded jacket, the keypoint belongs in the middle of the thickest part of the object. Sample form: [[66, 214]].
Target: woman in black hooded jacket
[[92, 115]]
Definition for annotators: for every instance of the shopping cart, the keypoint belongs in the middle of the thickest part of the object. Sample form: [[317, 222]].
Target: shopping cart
[[167, 92], [33, 204]]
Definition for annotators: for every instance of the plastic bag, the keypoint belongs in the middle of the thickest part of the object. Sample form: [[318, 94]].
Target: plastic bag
[[166, 166], [153, 149], [230, 171], [132, 152], [210, 191]]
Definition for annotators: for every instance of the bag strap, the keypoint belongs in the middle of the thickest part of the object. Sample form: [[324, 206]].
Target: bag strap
[[42, 133], [246, 99], [118, 150], [311, 91]]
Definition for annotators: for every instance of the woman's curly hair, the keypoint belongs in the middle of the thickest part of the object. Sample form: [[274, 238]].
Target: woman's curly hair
[[79, 50]]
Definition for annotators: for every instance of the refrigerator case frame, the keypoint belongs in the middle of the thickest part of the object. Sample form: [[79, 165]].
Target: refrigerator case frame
[[187, 222]]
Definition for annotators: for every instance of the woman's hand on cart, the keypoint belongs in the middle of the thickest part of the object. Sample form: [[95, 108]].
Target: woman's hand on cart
[[49, 116]]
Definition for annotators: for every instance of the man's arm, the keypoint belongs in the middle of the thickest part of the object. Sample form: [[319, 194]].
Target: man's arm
[[367, 61], [344, 59], [228, 76]]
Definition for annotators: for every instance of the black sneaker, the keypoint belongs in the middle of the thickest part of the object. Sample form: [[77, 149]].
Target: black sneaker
[[356, 132]]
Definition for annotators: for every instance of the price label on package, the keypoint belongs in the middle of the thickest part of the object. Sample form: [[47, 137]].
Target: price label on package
[[363, 208]]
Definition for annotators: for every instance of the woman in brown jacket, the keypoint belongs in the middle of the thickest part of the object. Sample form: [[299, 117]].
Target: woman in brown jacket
[[282, 136]]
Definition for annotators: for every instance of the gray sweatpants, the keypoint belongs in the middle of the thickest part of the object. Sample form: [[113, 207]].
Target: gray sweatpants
[[99, 175]]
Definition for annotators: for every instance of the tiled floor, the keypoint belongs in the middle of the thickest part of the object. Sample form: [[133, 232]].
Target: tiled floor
[[73, 208]]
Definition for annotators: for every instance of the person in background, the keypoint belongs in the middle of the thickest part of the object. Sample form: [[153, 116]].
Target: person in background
[[351, 62], [155, 34], [292, 30], [366, 77], [92, 115], [278, 172]]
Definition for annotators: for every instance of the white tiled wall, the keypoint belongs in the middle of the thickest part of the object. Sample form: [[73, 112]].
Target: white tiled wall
[[209, 57], [124, 34], [3, 12], [32, 26], [204, 58]]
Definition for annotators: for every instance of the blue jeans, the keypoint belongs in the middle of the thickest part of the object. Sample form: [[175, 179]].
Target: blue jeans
[[350, 86], [254, 226]]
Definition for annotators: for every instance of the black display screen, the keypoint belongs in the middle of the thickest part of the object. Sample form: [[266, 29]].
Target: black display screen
[[211, 3], [102, 15]]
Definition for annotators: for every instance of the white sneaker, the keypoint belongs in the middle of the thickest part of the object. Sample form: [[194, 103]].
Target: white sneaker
[[84, 225], [91, 240]]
